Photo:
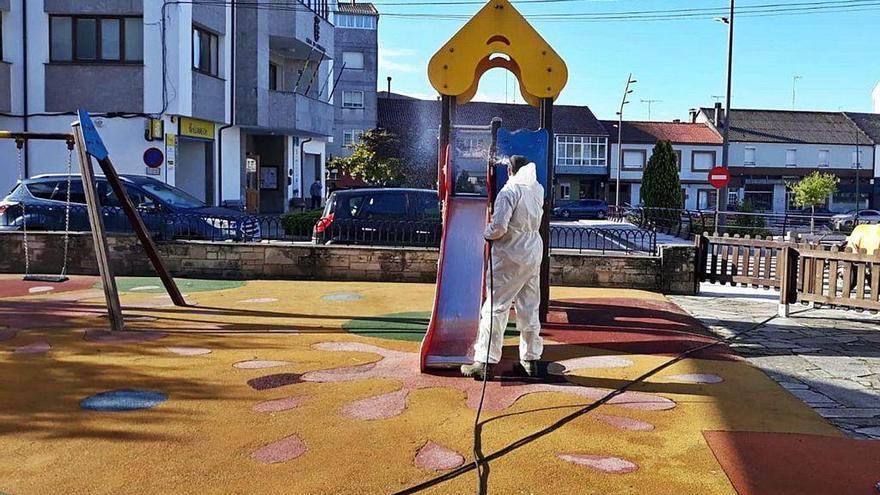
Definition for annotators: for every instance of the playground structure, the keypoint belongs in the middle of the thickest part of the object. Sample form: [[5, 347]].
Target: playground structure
[[88, 144], [498, 36]]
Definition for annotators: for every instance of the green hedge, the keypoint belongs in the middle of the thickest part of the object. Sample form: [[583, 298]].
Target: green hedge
[[300, 224]]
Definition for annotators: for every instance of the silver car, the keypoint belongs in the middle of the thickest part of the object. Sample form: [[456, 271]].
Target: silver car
[[848, 219]]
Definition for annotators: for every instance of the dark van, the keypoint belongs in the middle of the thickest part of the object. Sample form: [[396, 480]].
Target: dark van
[[390, 217]]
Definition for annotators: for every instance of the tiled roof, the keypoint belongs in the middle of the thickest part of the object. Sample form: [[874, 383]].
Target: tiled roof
[[651, 132], [350, 7], [869, 123], [790, 126], [397, 113]]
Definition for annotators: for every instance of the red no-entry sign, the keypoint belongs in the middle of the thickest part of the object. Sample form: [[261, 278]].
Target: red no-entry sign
[[719, 177]]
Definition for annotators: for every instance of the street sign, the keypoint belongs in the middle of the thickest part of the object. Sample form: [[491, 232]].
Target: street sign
[[719, 177], [153, 157]]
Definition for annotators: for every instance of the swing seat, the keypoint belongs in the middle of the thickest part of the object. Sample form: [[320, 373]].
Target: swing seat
[[54, 279]]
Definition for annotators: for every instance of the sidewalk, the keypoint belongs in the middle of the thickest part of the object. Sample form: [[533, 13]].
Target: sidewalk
[[830, 359]]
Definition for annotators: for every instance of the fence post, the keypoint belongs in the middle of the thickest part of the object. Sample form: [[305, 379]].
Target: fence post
[[701, 244], [787, 272]]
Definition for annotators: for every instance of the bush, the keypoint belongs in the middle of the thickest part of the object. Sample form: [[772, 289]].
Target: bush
[[661, 186], [300, 224]]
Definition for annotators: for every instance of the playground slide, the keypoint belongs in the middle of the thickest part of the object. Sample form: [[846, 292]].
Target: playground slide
[[453, 328]]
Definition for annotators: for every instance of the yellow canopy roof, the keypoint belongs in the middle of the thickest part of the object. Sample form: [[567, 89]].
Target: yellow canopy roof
[[498, 36]]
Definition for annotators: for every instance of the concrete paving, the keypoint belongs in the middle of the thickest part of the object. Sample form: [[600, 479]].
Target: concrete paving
[[830, 359]]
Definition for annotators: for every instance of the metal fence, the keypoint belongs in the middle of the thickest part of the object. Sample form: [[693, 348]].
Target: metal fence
[[243, 227], [627, 240], [687, 223]]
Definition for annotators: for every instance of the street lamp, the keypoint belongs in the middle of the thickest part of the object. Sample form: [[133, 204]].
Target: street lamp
[[626, 92], [794, 81], [725, 150]]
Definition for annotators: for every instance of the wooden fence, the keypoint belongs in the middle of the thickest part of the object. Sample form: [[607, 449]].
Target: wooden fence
[[807, 273]]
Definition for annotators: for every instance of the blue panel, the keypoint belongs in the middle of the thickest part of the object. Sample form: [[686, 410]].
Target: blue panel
[[531, 144], [94, 145]]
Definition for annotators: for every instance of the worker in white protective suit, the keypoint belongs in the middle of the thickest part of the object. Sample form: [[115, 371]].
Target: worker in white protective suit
[[517, 251]]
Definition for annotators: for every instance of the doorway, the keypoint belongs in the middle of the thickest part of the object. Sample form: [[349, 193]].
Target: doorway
[[195, 168], [252, 183]]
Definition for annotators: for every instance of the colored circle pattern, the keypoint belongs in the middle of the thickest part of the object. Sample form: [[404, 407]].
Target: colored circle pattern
[[123, 400]]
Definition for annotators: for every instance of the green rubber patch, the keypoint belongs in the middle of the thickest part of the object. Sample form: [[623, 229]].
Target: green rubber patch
[[153, 285], [400, 326]]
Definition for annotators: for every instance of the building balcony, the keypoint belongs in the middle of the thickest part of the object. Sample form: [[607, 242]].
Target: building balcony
[[302, 32], [294, 113], [209, 97], [5, 87]]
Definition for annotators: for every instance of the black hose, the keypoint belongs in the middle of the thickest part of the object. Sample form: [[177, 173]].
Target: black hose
[[576, 414], [491, 298]]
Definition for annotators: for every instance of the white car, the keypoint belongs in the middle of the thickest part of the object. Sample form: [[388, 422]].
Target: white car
[[848, 219]]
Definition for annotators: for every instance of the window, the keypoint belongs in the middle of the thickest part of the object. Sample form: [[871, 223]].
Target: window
[[823, 158], [353, 60], [732, 198], [355, 21], [858, 159], [791, 158], [564, 190], [473, 146], [96, 39], [351, 136], [634, 159], [678, 158], [273, 77], [749, 159], [706, 199], [386, 207], [580, 151], [352, 99], [702, 160], [206, 52]]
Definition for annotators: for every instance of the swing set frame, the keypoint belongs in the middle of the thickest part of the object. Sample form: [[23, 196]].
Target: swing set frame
[[84, 144]]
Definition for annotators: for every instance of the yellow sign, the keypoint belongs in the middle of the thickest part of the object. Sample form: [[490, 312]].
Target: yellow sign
[[195, 128]]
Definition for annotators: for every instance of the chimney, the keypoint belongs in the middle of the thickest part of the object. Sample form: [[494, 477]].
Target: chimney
[[676, 121], [692, 113], [389, 86], [717, 117]]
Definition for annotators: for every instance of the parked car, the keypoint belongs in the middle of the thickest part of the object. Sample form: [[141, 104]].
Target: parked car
[[167, 212], [380, 216], [848, 219], [583, 208], [822, 216]]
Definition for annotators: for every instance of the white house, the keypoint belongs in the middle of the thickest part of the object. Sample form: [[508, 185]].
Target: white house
[[770, 148], [698, 147], [869, 123]]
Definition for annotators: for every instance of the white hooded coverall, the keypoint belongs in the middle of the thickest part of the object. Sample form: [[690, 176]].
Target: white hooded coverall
[[517, 251]]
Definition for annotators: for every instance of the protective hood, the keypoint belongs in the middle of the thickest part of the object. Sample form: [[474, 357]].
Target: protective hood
[[526, 176]]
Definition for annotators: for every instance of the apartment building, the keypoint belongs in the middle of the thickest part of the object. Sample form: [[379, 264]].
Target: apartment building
[[237, 98], [355, 71], [770, 148], [869, 123], [580, 139], [697, 147]]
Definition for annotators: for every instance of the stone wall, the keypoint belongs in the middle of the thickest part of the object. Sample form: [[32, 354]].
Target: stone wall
[[672, 272]]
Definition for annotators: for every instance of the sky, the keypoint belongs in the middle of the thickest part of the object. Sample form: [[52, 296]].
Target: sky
[[680, 62]]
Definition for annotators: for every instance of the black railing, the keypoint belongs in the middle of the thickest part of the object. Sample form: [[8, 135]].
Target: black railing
[[243, 227], [626, 240], [687, 223]]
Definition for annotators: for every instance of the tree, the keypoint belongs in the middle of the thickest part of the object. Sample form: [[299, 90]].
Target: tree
[[813, 190], [375, 159], [661, 186]]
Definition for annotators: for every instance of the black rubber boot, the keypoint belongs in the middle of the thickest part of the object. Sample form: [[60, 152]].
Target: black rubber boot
[[530, 369], [478, 370]]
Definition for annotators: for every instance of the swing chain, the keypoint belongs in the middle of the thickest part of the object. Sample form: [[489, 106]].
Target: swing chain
[[67, 209], [19, 145]]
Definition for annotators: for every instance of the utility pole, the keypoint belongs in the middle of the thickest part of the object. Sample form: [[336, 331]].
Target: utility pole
[[794, 81], [650, 102], [629, 81], [725, 149]]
